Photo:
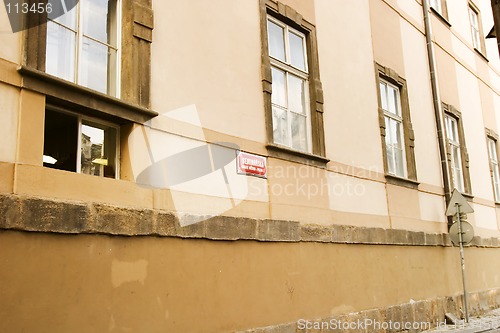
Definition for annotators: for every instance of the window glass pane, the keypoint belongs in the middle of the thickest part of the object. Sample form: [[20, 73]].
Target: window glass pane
[[496, 182], [296, 94], [98, 19], [276, 41], [451, 129], [447, 122], [297, 51], [280, 126], [393, 100], [98, 149], [400, 164], [60, 52], [278, 96], [492, 150], [68, 19], [394, 147], [391, 164], [388, 139], [383, 95], [299, 132], [456, 161], [94, 71]]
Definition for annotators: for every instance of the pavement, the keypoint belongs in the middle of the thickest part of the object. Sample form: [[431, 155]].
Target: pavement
[[489, 322]]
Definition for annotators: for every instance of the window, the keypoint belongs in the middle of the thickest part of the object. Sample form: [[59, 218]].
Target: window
[[457, 173], [80, 144], [458, 157], [398, 140], [98, 50], [290, 84], [394, 136], [474, 26], [436, 4], [476, 29], [82, 45], [293, 96], [440, 7], [494, 168]]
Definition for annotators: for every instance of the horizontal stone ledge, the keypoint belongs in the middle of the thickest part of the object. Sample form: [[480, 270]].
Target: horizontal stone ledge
[[23, 213]]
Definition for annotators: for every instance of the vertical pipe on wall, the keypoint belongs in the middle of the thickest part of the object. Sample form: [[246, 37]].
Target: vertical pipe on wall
[[438, 110]]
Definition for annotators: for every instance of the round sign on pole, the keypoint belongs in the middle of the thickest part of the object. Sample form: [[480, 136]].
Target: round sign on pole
[[467, 233]]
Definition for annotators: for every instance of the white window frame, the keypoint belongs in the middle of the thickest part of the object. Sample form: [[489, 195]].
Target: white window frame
[[288, 68], [398, 117], [455, 147], [495, 172], [474, 26], [115, 73], [80, 120]]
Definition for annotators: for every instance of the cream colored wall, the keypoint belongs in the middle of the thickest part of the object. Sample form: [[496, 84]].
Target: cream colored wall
[[11, 42], [9, 106], [219, 76], [115, 284], [352, 133]]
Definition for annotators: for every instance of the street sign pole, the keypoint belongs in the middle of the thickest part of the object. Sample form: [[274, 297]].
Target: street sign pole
[[462, 260]]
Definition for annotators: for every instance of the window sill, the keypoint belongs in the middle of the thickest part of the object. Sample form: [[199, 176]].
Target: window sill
[[480, 53], [405, 182], [441, 17], [84, 100], [286, 153]]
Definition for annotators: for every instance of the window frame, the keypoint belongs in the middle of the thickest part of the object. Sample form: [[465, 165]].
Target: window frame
[[409, 179], [492, 137], [80, 119], [288, 16], [453, 113], [136, 23], [114, 74], [441, 11], [289, 69], [476, 32], [398, 118]]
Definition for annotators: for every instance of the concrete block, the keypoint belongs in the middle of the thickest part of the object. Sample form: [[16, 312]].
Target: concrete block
[[416, 238], [397, 237], [10, 212], [54, 216], [274, 230], [122, 221], [165, 224], [315, 233], [231, 228]]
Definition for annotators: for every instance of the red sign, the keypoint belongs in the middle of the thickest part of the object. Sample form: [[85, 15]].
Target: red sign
[[251, 165]]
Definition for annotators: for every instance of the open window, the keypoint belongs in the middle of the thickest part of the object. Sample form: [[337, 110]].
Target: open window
[[80, 144]]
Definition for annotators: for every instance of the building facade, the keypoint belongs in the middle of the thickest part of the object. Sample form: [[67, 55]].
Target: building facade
[[235, 165]]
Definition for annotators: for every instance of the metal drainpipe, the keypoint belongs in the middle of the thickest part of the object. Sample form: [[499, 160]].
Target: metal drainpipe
[[438, 110]]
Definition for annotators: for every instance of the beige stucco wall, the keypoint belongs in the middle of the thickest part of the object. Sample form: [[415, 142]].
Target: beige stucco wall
[[114, 284], [11, 42]]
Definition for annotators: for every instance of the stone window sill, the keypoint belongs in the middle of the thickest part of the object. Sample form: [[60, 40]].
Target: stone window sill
[[405, 182], [87, 101], [286, 153], [441, 17]]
